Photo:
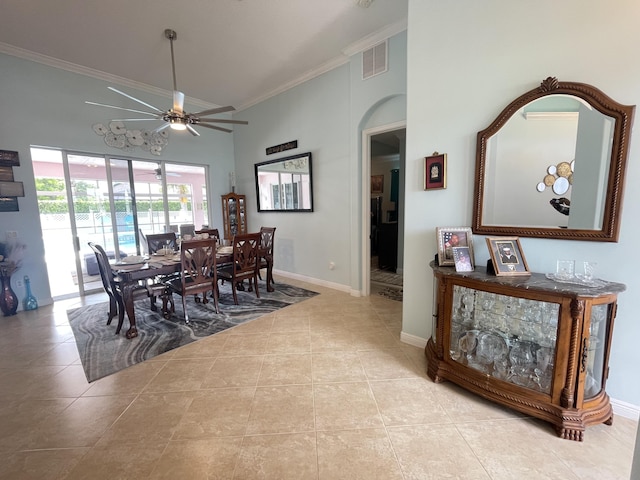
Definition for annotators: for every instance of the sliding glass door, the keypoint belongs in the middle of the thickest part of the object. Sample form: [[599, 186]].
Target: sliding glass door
[[93, 198]]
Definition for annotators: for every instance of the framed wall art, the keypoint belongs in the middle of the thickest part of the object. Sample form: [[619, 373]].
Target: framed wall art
[[450, 237], [507, 257], [377, 184], [435, 171]]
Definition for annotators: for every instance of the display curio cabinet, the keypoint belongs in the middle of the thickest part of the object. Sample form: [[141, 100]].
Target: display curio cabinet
[[233, 215], [530, 343]]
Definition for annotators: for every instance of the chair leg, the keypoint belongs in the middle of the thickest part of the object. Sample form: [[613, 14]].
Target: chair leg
[[215, 294], [113, 308], [120, 315], [233, 289], [184, 308], [255, 281]]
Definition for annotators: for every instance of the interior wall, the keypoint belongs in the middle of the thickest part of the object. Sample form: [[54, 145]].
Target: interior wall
[[495, 51], [45, 106], [326, 116]]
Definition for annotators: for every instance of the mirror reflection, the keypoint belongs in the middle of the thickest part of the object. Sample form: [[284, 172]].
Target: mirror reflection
[[285, 184], [552, 165], [553, 155]]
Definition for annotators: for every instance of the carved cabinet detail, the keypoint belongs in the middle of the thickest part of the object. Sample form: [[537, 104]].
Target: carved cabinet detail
[[234, 218]]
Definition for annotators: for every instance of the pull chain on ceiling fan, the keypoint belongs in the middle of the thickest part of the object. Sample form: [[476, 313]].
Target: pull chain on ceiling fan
[[176, 118]]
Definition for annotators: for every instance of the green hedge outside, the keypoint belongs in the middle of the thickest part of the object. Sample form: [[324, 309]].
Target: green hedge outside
[[87, 206]]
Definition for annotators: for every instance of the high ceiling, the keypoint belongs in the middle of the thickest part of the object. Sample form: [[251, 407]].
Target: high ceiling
[[228, 52]]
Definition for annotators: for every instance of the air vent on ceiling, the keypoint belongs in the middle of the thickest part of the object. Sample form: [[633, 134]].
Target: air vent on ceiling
[[374, 60]]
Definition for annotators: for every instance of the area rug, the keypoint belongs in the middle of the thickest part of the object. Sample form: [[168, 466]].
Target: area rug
[[392, 293], [382, 276], [103, 353]]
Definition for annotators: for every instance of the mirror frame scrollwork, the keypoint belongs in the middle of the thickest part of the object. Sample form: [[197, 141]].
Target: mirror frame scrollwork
[[623, 116]]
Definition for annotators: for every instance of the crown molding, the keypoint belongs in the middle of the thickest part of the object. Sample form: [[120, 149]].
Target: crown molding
[[97, 74], [375, 38], [354, 48]]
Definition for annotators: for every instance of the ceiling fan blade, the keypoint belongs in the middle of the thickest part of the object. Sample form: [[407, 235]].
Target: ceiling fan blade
[[135, 119], [178, 102], [135, 99], [192, 130], [160, 128], [215, 128], [122, 108], [213, 111], [222, 120]]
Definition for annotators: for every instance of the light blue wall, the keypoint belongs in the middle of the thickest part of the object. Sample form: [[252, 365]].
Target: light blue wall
[[488, 54], [42, 105], [326, 116]]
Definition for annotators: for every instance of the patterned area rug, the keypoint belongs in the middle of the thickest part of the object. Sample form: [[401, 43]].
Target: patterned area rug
[[103, 353], [382, 276], [392, 293]]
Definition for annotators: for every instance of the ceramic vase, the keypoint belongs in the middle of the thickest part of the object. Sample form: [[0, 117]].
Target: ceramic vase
[[8, 298]]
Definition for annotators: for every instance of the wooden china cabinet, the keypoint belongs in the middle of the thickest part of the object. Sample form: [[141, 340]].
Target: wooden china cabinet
[[234, 217], [527, 342]]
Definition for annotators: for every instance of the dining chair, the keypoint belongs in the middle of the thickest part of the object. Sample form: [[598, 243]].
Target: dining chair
[[213, 232], [198, 273], [265, 254], [112, 288], [157, 241], [187, 229], [144, 245], [244, 265]]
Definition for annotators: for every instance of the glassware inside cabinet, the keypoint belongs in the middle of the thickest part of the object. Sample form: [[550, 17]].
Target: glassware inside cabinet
[[512, 339], [595, 350]]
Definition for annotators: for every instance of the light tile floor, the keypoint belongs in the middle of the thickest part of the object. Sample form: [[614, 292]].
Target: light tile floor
[[320, 390]]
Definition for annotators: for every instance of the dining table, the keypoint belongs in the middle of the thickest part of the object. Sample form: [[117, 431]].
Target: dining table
[[128, 277]]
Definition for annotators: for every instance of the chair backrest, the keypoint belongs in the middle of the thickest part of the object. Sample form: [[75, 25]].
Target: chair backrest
[[104, 267], [157, 241], [187, 229], [198, 258], [266, 241], [245, 253], [213, 232], [144, 246]]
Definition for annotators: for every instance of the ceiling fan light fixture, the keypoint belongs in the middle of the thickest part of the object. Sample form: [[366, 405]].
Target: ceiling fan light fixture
[[177, 124]]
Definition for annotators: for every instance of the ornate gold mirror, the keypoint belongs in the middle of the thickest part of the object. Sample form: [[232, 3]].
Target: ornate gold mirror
[[552, 165]]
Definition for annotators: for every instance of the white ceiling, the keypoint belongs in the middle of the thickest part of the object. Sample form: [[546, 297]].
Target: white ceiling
[[228, 52]]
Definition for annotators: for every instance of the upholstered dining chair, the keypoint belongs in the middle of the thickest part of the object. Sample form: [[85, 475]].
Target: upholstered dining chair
[[187, 229], [244, 265], [198, 273], [265, 254], [156, 241], [112, 288]]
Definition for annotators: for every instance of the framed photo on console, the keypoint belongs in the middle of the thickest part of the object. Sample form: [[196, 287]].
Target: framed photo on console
[[507, 257], [449, 237]]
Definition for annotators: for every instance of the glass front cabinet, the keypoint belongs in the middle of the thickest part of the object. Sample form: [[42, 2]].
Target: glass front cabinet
[[234, 217], [529, 343]]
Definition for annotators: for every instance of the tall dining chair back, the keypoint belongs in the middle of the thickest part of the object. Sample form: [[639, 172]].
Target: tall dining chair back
[[244, 265], [157, 241], [265, 254], [187, 229], [106, 274], [144, 246], [212, 232], [198, 273]]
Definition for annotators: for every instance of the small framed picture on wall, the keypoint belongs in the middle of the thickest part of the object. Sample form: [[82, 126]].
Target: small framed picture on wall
[[435, 171], [377, 184]]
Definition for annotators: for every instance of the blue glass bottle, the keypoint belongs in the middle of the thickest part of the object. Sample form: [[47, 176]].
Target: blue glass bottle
[[30, 302]]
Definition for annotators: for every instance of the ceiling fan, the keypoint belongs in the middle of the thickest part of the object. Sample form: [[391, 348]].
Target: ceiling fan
[[157, 172], [176, 117]]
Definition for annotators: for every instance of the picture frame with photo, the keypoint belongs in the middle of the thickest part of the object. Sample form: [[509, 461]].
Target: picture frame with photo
[[507, 256], [463, 259], [449, 237], [377, 184]]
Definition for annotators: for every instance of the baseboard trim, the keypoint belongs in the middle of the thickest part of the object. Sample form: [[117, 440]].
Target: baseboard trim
[[314, 281]]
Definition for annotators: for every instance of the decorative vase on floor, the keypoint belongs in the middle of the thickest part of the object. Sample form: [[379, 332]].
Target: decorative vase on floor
[[8, 298]]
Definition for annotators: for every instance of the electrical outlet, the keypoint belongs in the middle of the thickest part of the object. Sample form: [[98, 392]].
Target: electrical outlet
[[332, 265], [11, 235], [19, 283]]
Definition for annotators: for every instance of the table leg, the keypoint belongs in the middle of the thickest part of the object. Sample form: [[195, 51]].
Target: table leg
[[127, 298]]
